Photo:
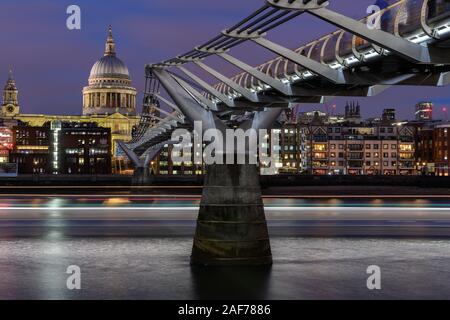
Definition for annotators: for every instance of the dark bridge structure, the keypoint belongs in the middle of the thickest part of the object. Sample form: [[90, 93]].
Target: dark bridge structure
[[406, 43]]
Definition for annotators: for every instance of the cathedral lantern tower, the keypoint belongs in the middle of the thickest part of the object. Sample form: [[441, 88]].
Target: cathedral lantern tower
[[109, 90], [10, 105]]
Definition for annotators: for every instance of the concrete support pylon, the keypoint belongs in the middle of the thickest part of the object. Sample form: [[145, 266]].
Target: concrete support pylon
[[231, 226]]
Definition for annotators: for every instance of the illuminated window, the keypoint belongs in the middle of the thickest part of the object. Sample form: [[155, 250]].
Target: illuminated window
[[406, 147], [320, 147], [319, 155]]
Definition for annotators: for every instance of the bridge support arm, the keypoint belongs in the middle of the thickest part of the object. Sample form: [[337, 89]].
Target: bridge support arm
[[274, 83], [169, 103], [320, 69], [138, 163], [409, 50], [175, 116], [229, 102], [251, 96], [209, 104], [265, 119], [444, 79], [182, 99], [189, 107]]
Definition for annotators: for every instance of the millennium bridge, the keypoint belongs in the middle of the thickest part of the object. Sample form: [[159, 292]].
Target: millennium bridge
[[406, 43]]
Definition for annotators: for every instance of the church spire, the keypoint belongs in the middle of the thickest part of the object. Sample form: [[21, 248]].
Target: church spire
[[10, 83], [10, 103], [110, 48]]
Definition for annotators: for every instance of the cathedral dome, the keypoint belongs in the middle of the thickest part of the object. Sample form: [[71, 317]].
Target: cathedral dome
[[109, 87], [109, 67]]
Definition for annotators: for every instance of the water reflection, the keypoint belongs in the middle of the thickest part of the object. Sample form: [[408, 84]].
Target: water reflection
[[158, 268], [231, 282]]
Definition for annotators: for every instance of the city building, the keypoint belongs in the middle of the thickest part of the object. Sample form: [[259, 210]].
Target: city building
[[61, 148], [441, 136], [109, 100], [31, 149], [389, 115], [80, 148], [425, 143], [308, 117], [356, 147], [424, 111], [6, 143], [163, 164], [353, 112], [357, 150], [289, 149]]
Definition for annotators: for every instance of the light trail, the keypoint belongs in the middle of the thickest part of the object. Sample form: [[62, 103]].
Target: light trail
[[268, 209], [171, 197], [101, 187]]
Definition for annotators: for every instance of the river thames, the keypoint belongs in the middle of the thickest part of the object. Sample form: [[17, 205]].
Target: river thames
[[139, 248], [158, 268]]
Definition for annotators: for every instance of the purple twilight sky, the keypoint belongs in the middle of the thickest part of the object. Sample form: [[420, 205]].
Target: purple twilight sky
[[51, 64]]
